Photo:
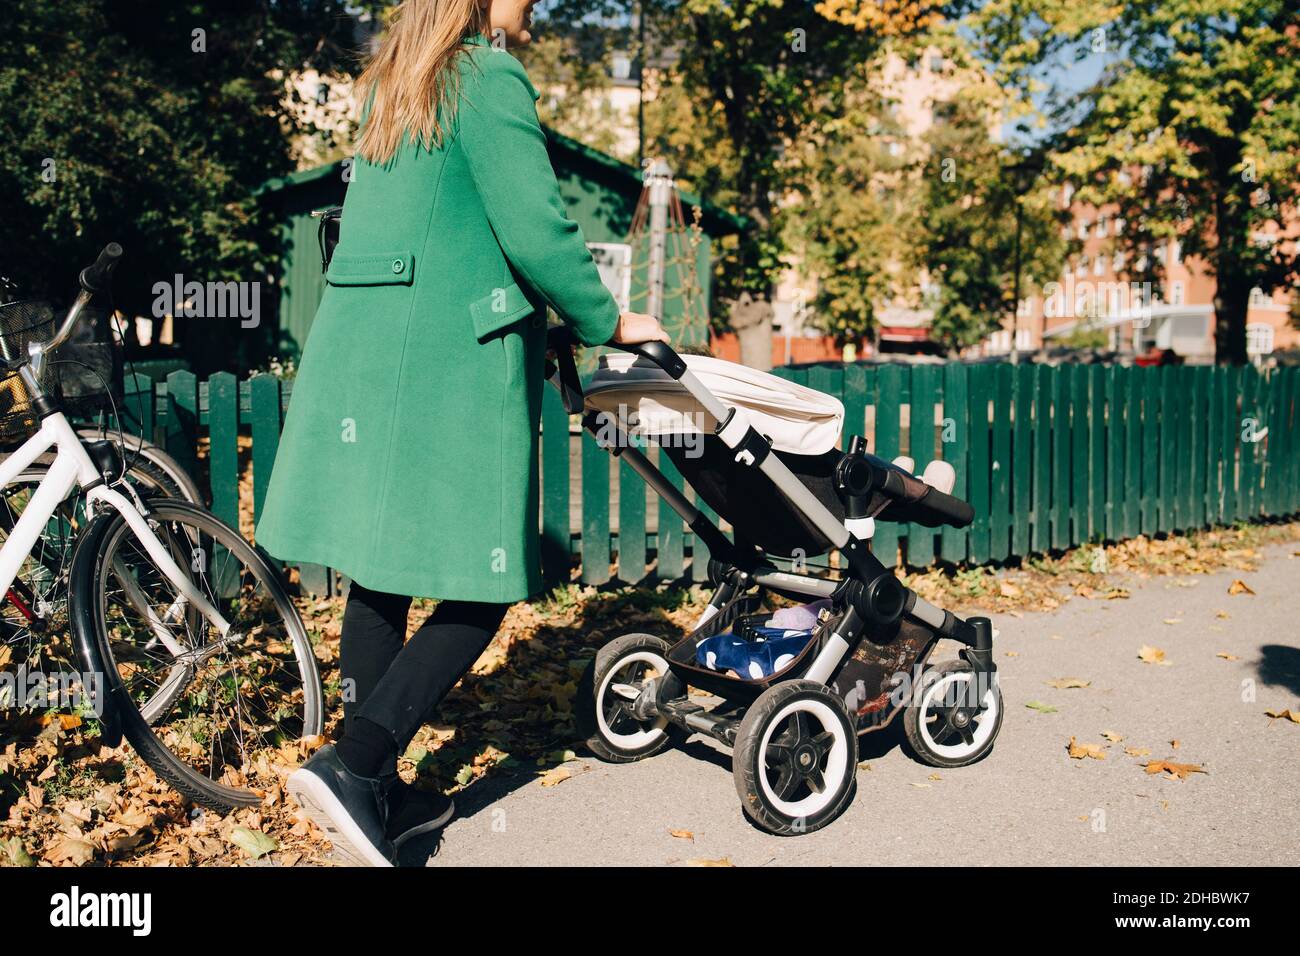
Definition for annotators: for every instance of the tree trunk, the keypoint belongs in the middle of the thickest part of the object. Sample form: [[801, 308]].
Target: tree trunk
[[1231, 301], [752, 320]]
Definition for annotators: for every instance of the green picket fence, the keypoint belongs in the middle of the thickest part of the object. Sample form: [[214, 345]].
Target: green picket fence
[[1049, 456]]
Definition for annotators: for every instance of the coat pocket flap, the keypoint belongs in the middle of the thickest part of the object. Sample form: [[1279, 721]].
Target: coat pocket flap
[[498, 309], [380, 268]]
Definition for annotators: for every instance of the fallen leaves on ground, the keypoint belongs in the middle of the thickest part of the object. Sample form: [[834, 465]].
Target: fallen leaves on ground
[[1112, 736], [724, 861], [1079, 751], [1239, 586], [1152, 655], [1226, 656], [1284, 715], [682, 835], [1068, 683], [1173, 771], [1039, 706], [1138, 751]]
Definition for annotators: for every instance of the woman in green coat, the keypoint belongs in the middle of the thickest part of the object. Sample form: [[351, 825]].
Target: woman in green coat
[[409, 454]]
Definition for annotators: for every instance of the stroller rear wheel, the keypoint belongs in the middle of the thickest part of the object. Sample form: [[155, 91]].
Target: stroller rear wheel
[[795, 759], [609, 688], [955, 722]]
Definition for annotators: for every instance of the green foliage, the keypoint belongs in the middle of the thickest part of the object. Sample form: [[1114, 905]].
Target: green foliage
[[856, 211], [966, 233], [1192, 130], [121, 123]]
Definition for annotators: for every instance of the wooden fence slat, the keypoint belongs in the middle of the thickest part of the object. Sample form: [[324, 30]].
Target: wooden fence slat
[[979, 487], [954, 436], [1022, 459], [1061, 447], [671, 535], [595, 511], [1252, 425], [181, 425], [1044, 386], [1096, 452], [223, 451], [1198, 404], [855, 402], [1000, 463], [889, 390], [1080, 474], [1133, 451], [631, 520], [265, 421], [921, 446], [1115, 434], [1167, 497]]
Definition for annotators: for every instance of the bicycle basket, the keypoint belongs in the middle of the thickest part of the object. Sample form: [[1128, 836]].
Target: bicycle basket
[[21, 322]]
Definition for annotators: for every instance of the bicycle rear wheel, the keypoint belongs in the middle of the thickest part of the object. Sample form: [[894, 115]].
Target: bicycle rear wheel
[[199, 706]]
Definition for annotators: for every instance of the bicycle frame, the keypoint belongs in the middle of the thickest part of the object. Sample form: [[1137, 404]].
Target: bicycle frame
[[73, 468]]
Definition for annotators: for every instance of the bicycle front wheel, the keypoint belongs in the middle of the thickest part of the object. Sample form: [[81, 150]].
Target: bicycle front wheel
[[206, 707]]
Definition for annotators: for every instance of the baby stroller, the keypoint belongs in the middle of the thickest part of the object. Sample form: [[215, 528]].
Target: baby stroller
[[760, 451]]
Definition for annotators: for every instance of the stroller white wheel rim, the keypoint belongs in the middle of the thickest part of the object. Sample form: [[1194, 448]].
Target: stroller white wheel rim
[[641, 738], [984, 722], [835, 759]]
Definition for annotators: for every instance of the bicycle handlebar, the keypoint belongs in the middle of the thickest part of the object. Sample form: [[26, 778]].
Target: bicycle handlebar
[[95, 278]]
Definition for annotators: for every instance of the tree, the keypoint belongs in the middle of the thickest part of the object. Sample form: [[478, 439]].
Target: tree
[[151, 123], [856, 213], [966, 232], [1192, 130]]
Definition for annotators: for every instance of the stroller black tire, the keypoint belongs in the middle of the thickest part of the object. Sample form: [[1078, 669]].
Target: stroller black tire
[[953, 748], [612, 733], [796, 758]]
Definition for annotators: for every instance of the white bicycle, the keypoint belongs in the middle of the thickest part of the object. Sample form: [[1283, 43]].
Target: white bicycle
[[202, 658]]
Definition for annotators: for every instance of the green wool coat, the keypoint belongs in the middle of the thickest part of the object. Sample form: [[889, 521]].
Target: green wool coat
[[408, 459]]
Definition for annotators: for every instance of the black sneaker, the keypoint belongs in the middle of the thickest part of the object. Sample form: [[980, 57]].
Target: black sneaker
[[413, 812], [350, 810]]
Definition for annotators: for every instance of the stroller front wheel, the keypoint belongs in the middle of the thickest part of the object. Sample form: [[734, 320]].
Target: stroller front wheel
[[610, 686], [796, 758], [956, 721]]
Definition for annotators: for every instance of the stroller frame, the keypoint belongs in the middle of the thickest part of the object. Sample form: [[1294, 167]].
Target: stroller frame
[[879, 629]]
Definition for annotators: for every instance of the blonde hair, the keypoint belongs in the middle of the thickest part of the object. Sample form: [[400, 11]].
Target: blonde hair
[[410, 84]]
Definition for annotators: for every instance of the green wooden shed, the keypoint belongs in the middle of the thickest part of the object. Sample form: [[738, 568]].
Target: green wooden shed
[[602, 194]]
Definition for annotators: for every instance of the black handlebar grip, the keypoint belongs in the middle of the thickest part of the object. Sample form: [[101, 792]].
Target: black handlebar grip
[[954, 511], [660, 353], [95, 278]]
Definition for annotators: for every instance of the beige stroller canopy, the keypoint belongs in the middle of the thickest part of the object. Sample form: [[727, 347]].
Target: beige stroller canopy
[[647, 401]]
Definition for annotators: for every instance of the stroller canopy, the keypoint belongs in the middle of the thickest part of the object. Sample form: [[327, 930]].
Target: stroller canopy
[[648, 401]]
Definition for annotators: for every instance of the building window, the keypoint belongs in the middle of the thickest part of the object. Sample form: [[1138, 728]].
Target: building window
[[936, 63], [1101, 226], [1175, 252], [1067, 193], [1176, 292], [1024, 340], [1259, 338], [1117, 262], [1258, 299], [1083, 229], [1083, 266], [1119, 225], [1099, 266]]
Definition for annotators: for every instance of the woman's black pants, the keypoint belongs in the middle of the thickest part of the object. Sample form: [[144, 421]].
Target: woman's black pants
[[395, 683]]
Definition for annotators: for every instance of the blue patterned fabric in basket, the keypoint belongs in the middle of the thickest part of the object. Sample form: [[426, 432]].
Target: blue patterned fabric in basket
[[771, 649]]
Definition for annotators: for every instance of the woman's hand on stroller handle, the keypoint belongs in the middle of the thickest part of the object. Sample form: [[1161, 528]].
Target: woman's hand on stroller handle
[[636, 328]]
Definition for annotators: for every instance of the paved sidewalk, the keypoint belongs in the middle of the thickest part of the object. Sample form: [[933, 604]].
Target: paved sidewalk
[[1028, 802]]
